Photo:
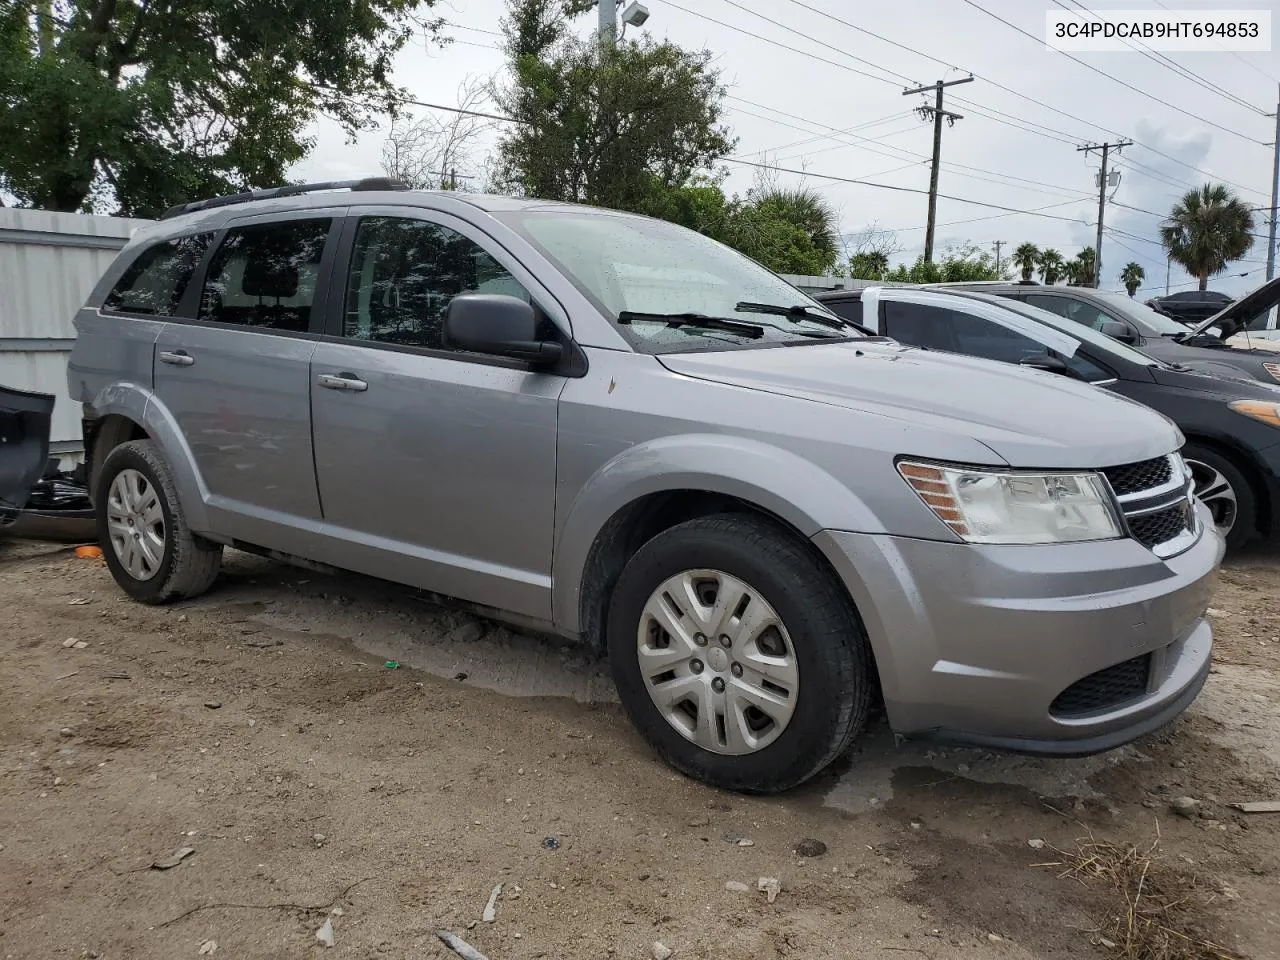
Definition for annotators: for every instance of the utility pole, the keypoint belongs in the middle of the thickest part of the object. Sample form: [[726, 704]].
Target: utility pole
[[938, 115], [999, 244], [608, 21], [1275, 200], [1168, 263], [1106, 149]]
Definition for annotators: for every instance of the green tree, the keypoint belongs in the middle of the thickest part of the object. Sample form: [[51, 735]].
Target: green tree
[[1073, 270], [871, 265], [963, 263], [787, 229], [1132, 276], [1051, 265], [1088, 261], [1206, 230], [612, 126], [138, 104], [1026, 257]]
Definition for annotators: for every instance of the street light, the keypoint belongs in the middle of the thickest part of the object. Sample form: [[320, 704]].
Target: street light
[[635, 15]]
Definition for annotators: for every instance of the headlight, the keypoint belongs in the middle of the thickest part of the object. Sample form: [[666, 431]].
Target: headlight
[[1273, 369], [1258, 409], [990, 506]]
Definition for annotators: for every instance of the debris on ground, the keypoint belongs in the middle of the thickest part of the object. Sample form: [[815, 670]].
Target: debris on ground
[[78, 601], [460, 946], [318, 839], [460, 675], [325, 933], [1036, 844], [66, 732], [173, 859], [1258, 806], [89, 552], [770, 887], [1187, 807], [491, 908], [213, 704], [809, 847], [661, 951], [208, 947], [736, 886], [74, 643], [392, 664], [551, 843]]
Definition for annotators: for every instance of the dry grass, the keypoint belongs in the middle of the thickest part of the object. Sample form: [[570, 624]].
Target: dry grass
[[1156, 907]]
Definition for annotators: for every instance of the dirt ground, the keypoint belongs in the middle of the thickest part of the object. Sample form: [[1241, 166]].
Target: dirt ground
[[260, 727]]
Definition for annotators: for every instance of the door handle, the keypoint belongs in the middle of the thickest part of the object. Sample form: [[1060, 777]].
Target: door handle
[[342, 381], [179, 358]]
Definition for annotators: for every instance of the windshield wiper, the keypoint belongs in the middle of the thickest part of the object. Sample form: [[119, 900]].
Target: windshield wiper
[[741, 327], [795, 313]]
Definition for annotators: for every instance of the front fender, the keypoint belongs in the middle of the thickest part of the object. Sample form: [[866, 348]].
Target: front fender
[[144, 408], [776, 480]]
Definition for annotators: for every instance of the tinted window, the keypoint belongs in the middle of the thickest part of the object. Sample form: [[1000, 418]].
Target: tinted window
[[958, 332], [919, 326], [265, 275], [1075, 310], [848, 309], [404, 273], [155, 282]]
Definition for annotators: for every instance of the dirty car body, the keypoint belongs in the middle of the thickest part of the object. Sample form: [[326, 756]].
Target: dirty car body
[[660, 441]]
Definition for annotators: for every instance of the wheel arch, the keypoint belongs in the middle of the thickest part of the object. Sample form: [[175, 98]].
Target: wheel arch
[[1248, 465]]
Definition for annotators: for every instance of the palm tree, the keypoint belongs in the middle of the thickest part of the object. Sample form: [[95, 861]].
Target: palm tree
[[807, 209], [1206, 230], [1025, 258], [1088, 267], [1132, 276], [1051, 265], [1073, 269]]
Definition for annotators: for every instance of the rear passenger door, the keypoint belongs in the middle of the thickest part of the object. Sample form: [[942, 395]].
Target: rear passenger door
[[437, 467], [236, 375]]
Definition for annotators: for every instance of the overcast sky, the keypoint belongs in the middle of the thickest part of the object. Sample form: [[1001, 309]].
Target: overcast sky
[[780, 96]]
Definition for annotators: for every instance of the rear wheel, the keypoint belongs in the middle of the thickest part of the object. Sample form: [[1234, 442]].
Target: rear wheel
[[737, 655], [148, 546], [1224, 489]]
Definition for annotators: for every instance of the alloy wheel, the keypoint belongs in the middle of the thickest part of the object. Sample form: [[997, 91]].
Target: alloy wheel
[[1216, 492], [135, 524]]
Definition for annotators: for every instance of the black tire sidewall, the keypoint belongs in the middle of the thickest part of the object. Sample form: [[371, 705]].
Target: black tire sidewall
[[800, 749], [122, 458], [1246, 522]]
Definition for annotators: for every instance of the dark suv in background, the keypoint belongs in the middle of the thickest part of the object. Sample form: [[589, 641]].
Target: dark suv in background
[[1134, 323]]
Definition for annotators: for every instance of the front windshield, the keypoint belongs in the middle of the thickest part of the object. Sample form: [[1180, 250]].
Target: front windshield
[[1140, 313], [1106, 345], [634, 265]]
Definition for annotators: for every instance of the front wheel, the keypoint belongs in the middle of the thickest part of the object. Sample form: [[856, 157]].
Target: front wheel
[[737, 655], [1221, 486]]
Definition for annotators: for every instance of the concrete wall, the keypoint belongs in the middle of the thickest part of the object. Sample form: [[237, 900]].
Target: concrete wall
[[48, 264]]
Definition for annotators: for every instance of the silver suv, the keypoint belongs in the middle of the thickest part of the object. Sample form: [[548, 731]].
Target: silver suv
[[619, 430]]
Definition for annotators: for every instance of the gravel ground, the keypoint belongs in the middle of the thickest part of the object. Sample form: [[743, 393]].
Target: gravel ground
[[259, 727]]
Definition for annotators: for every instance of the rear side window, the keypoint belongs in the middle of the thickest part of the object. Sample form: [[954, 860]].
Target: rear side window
[[1074, 310], [942, 329], [156, 280], [846, 309], [919, 326], [404, 273], [265, 275]]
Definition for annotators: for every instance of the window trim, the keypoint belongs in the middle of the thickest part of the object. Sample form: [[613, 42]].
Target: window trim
[[188, 309], [196, 273], [573, 363]]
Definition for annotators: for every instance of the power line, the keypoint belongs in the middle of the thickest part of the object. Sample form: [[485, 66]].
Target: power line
[[992, 216], [1233, 53], [1123, 83]]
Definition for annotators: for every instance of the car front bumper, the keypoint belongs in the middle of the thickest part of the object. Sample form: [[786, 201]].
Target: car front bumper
[[1063, 649]]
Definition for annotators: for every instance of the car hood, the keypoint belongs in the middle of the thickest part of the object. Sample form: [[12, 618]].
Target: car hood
[[1027, 417], [1218, 361], [1242, 310], [1234, 385], [24, 443]]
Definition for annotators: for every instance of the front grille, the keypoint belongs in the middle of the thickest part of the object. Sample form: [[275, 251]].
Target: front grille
[[1105, 689], [1136, 477], [1152, 529]]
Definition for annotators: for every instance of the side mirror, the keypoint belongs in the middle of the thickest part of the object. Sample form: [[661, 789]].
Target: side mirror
[[1118, 331], [499, 325], [1047, 362]]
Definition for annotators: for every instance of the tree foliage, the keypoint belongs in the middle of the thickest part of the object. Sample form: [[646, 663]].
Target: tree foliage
[[611, 126], [1132, 276], [426, 153], [1206, 230], [964, 263], [869, 252], [1052, 266], [788, 229], [138, 104], [1026, 258]]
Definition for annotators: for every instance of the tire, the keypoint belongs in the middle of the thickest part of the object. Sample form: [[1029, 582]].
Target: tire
[[820, 635], [173, 565], [1218, 478]]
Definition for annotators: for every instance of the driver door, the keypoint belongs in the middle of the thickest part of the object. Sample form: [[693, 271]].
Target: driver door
[[435, 467]]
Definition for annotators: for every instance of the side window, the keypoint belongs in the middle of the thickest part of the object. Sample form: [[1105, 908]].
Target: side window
[[1075, 310], [1056, 305], [265, 275], [1263, 321], [156, 280], [919, 326], [848, 309], [979, 337], [403, 274], [1087, 370]]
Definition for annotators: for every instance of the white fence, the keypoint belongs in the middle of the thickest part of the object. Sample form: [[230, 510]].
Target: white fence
[[48, 264]]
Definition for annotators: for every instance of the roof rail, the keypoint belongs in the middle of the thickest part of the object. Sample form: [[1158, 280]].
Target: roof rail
[[292, 190]]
